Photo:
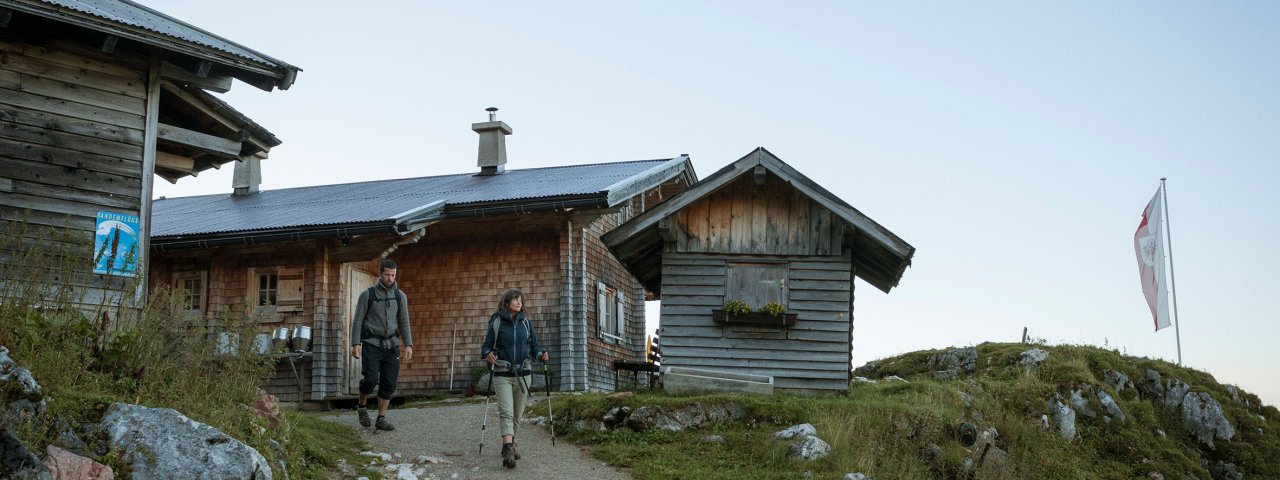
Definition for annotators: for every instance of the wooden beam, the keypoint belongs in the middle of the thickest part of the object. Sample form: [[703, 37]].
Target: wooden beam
[[200, 141], [213, 83], [109, 43], [179, 163], [196, 103], [202, 68]]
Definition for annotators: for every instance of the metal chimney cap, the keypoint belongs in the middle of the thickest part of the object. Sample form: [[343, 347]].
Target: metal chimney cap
[[493, 113]]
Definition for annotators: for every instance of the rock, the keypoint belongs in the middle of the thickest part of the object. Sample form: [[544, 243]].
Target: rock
[[1152, 387], [945, 374], [1234, 392], [932, 452], [677, 419], [620, 397], [162, 443], [616, 415], [951, 363], [1205, 419], [867, 370], [894, 378], [863, 380], [268, 406], [17, 462], [801, 430], [1117, 380], [65, 465], [1156, 476], [1109, 404], [385, 457], [989, 435], [856, 476], [1174, 393], [1081, 405], [713, 439], [404, 471], [1225, 471], [1044, 422], [995, 456], [1031, 359], [1160, 432], [808, 448], [19, 412], [10, 372], [427, 460], [1065, 418]]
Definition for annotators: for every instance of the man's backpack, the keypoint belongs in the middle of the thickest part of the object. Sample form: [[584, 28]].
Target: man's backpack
[[369, 294]]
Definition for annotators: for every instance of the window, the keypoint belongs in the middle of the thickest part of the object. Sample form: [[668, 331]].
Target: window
[[268, 288], [756, 283], [611, 313], [189, 286], [276, 290]]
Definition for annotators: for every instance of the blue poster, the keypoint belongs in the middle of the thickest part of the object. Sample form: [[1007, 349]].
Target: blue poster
[[115, 244]]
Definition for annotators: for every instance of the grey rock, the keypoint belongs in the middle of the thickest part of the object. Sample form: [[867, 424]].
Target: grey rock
[[989, 435], [1117, 380], [863, 380], [17, 462], [713, 439], [616, 415], [1031, 359], [801, 430], [933, 452], [10, 372], [856, 476], [1064, 417], [951, 363], [1205, 419], [677, 419], [895, 378], [1224, 471], [1109, 404], [1044, 422], [809, 447], [807, 474], [1160, 432], [1152, 386], [867, 370], [162, 443], [1174, 392], [945, 374], [1081, 405], [17, 413], [68, 438], [1234, 392]]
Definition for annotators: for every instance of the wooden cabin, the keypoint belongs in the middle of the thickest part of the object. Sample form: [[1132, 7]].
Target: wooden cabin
[[301, 256], [96, 100], [758, 231]]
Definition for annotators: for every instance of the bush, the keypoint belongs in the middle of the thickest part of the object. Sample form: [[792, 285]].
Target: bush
[[773, 308], [737, 307]]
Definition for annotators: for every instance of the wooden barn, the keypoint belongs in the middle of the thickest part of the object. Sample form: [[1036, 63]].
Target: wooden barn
[[301, 256], [758, 231], [97, 98]]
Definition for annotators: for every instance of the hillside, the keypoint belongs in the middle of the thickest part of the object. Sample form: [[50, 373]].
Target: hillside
[[1061, 412]]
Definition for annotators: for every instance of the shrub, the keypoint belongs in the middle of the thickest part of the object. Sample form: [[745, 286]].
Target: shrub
[[736, 307], [773, 308]]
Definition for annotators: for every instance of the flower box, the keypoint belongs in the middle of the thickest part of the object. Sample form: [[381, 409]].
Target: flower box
[[753, 318]]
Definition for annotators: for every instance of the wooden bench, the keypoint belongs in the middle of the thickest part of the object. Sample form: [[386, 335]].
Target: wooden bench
[[635, 368]]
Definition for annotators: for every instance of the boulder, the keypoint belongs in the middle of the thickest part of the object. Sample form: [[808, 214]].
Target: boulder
[[65, 465], [808, 448], [1117, 380], [1109, 404], [1225, 471], [1174, 392], [268, 407], [801, 430], [1064, 417], [952, 363], [1205, 419], [16, 462], [1081, 405], [1031, 359], [1151, 386], [162, 443], [20, 377]]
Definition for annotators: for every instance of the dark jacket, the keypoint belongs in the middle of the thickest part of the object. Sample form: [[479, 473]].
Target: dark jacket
[[515, 342], [384, 319]]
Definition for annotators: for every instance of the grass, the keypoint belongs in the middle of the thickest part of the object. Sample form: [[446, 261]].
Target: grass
[[909, 430], [90, 352]]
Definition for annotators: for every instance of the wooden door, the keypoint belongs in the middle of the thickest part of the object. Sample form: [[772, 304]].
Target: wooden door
[[357, 282]]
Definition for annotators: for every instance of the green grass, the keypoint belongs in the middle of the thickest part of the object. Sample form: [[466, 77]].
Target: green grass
[[886, 429]]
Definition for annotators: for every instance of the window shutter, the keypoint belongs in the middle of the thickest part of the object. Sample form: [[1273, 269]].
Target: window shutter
[[620, 303], [289, 296], [602, 303]]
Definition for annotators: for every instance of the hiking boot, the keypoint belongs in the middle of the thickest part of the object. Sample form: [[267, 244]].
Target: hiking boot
[[384, 425], [363, 414], [508, 455], [514, 452]]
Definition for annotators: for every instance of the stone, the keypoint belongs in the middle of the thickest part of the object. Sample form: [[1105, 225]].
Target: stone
[[867, 370], [616, 415], [17, 413], [801, 430], [1224, 471], [676, 419], [1156, 476], [10, 372], [1065, 418], [17, 462], [1081, 405], [1234, 392], [268, 407], [620, 397], [809, 447], [1205, 419], [65, 465], [895, 378], [162, 443], [717, 439], [951, 363], [1117, 380], [1152, 387], [1174, 392], [856, 476], [1109, 404], [1031, 359], [863, 380]]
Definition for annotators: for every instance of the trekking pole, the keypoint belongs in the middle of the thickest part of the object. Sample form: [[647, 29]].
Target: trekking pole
[[485, 424], [551, 419]]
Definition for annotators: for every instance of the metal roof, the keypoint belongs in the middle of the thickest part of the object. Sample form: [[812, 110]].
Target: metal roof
[[134, 21], [394, 201]]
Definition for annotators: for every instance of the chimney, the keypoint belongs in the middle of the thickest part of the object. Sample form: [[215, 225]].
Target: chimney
[[247, 176], [493, 144]]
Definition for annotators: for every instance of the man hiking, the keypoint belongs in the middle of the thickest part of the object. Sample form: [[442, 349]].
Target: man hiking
[[380, 323]]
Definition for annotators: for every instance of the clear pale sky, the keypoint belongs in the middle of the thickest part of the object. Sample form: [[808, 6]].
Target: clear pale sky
[[1014, 145]]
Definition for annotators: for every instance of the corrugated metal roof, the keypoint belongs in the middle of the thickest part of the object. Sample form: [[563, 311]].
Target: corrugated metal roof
[[381, 200], [112, 15]]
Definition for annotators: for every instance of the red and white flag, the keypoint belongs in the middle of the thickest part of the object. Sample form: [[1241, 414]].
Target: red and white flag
[[1148, 243]]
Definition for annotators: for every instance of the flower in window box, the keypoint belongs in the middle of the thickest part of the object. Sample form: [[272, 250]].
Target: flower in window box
[[737, 307], [773, 309]]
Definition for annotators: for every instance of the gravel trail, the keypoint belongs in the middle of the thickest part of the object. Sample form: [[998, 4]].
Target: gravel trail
[[449, 433]]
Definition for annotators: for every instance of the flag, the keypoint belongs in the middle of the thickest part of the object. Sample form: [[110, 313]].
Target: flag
[[1148, 244]]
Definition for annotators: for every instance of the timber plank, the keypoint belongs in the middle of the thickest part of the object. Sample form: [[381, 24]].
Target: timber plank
[[77, 194], [69, 158], [71, 141], [85, 95], [757, 197], [134, 86], [780, 353], [714, 270], [820, 275], [56, 205], [104, 132], [48, 219], [800, 206], [830, 285], [713, 301], [74, 55], [739, 217], [71, 109]]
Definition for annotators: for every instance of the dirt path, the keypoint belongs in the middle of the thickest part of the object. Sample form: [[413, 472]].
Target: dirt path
[[449, 431]]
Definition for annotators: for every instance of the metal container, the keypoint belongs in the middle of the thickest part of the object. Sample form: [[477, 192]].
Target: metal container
[[280, 338], [301, 340]]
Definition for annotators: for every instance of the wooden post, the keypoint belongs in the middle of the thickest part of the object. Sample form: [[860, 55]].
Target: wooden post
[[1024, 334]]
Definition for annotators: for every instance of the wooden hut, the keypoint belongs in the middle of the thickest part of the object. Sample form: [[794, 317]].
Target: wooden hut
[[301, 256], [758, 231], [98, 98]]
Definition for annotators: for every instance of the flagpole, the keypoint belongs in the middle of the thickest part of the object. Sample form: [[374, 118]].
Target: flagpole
[[1177, 321]]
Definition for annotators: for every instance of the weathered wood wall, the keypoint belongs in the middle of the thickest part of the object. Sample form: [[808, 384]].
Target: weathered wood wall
[[603, 267], [769, 219], [71, 140]]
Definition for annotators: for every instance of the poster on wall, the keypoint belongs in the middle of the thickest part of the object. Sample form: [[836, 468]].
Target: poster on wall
[[115, 244]]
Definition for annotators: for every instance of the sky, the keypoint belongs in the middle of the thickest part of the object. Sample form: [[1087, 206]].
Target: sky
[[1013, 144]]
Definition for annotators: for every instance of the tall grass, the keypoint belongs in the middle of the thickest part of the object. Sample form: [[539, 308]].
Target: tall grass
[[91, 347]]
